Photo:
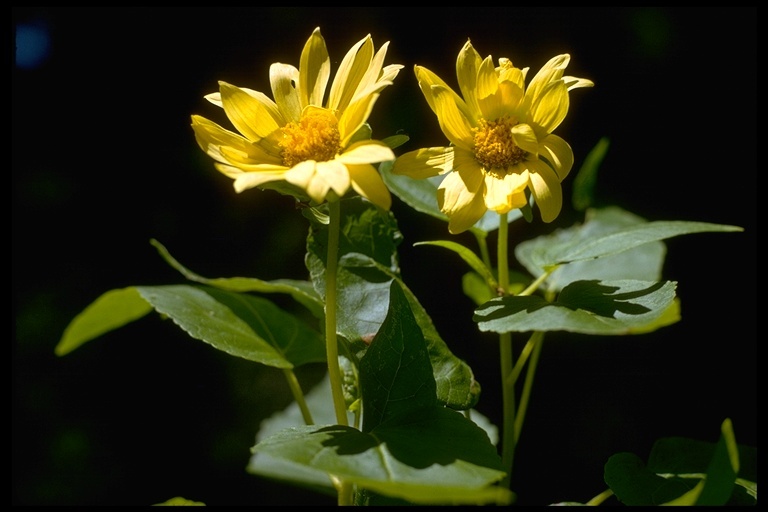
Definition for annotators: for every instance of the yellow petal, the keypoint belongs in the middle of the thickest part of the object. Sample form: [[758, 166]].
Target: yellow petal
[[452, 121], [354, 117], [550, 72], [572, 82], [304, 176], [425, 162], [335, 174], [248, 114], [507, 194], [314, 70], [460, 196], [283, 79], [525, 138], [367, 182], [551, 106], [366, 152], [546, 189], [427, 79], [208, 133], [376, 79], [558, 153], [247, 180], [350, 73], [467, 65]]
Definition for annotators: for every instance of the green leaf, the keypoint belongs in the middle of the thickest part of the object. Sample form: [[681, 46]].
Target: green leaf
[[410, 448], [586, 179], [683, 471], [178, 501], [469, 257], [395, 373], [421, 195], [239, 324], [367, 267], [634, 484], [725, 464], [110, 311], [589, 307], [319, 400], [302, 291], [583, 244]]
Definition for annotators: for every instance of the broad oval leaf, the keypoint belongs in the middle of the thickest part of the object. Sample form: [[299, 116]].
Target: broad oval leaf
[[302, 291], [367, 268], [239, 324], [614, 235], [407, 459], [110, 311], [589, 307]]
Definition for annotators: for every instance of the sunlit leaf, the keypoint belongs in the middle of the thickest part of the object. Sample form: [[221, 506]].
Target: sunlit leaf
[[609, 232], [110, 311], [180, 502], [589, 307], [411, 448], [302, 291], [239, 324], [367, 267]]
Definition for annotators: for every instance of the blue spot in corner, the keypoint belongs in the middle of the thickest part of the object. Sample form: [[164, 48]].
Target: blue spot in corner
[[33, 45]]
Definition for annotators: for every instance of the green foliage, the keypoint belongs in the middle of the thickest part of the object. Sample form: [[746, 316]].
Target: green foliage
[[601, 277], [410, 447], [683, 471]]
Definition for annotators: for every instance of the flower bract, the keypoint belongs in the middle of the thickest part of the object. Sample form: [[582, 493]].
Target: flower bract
[[502, 149], [305, 143]]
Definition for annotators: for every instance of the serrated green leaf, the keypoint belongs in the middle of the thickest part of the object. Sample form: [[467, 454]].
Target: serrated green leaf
[[367, 267], [110, 311], [643, 263], [411, 448], [395, 373], [302, 291], [319, 400], [581, 244], [589, 307], [412, 463], [239, 324]]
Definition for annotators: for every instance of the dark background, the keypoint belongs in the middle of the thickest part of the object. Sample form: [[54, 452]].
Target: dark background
[[104, 159]]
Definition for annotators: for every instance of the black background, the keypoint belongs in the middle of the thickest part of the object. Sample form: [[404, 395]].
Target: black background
[[104, 159]]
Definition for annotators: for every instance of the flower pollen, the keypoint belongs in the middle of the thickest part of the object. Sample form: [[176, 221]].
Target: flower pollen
[[495, 150], [315, 137]]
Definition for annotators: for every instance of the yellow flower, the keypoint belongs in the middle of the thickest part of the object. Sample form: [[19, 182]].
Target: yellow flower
[[501, 138], [301, 144]]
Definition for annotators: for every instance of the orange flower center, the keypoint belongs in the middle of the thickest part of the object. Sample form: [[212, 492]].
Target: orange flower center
[[495, 149], [315, 137]]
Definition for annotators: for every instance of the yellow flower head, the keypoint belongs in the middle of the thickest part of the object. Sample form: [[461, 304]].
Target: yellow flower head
[[300, 143], [501, 138]]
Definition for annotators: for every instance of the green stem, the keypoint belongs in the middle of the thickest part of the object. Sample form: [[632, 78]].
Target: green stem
[[482, 243], [597, 500], [298, 395], [345, 489], [536, 342], [331, 342], [506, 358]]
